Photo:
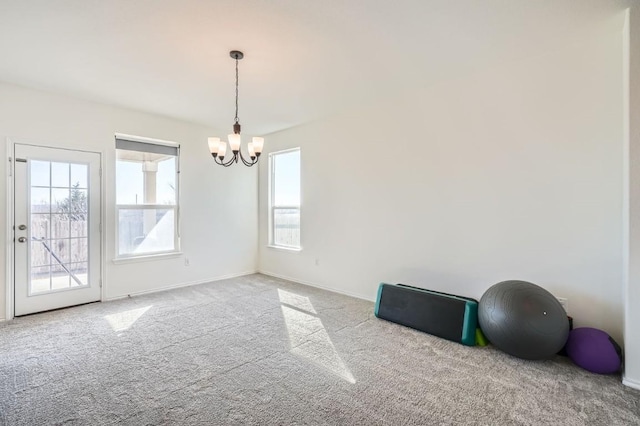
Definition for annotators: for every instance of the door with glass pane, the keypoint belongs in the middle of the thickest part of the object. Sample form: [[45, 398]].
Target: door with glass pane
[[56, 228]]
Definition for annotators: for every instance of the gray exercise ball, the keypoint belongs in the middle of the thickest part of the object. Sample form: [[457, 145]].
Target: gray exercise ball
[[523, 319]]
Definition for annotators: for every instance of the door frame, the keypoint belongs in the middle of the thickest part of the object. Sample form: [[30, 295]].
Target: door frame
[[9, 244]]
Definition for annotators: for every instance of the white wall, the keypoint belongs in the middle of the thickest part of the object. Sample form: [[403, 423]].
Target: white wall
[[513, 172], [218, 205], [632, 289]]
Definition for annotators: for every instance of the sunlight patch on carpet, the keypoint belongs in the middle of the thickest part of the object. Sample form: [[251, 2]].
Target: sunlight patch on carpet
[[308, 337], [124, 320], [300, 302]]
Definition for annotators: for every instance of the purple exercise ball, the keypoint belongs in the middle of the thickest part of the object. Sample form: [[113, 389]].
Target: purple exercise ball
[[594, 350]]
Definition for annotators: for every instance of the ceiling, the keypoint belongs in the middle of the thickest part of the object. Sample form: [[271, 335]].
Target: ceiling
[[304, 59]]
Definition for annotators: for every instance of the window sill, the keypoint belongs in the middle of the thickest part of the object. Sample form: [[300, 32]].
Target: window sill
[[147, 258], [292, 249]]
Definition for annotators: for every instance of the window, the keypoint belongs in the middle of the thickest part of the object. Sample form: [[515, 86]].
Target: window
[[146, 197], [284, 200]]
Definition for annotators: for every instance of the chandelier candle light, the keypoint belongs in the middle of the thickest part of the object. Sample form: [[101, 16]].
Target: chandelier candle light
[[218, 148]]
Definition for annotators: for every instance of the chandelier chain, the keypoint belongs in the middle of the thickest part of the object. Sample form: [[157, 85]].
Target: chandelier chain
[[236, 89]]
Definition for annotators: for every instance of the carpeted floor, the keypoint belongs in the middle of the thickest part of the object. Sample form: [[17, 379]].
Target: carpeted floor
[[259, 350]]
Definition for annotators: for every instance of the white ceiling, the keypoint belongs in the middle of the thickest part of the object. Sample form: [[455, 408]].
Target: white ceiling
[[303, 58]]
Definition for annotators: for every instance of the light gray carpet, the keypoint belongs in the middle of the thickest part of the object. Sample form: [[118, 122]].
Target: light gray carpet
[[259, 350]]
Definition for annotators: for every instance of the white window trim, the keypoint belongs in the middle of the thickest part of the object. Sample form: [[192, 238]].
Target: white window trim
[[285, 248], [152, 141], [148, 257], [123, 258], [272, 208]]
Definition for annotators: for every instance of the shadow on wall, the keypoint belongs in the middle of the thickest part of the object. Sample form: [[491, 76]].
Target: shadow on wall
[[582, 306], [438, 281]]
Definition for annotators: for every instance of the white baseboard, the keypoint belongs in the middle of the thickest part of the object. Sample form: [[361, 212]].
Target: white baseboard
[[310, 284], [174, 286], [630, 382]]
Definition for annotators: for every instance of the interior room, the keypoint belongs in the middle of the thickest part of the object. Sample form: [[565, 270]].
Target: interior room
[[201, 199]]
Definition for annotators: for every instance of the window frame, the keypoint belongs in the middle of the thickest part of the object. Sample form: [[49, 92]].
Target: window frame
[[272, 207], [175, 207]]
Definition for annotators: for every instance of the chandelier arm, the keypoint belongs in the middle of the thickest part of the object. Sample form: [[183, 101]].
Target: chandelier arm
[[232, 160], [228, 163], [246, 162]]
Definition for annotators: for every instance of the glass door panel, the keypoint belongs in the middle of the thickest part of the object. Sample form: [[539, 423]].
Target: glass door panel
[[59, 213]]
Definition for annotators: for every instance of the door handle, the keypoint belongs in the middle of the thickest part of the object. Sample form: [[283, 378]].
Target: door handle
[[22, 239], [22, 227]]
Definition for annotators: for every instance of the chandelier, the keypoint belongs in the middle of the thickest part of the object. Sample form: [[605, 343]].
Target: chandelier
[[218, 148]]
